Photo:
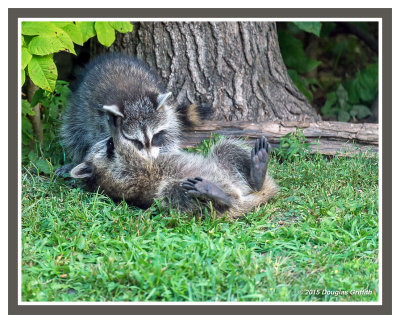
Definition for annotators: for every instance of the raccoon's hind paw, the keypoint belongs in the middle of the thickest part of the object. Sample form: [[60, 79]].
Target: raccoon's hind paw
[[259, 163], [63, 170], [202, 189]]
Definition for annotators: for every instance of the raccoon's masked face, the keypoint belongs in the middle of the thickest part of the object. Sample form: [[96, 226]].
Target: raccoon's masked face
[[149, 126]]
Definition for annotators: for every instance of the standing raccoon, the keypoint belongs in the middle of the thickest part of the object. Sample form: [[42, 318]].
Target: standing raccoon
[[117, 88], [230, 177]]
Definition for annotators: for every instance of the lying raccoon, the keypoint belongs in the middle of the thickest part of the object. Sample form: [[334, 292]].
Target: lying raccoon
[[120, 86], [230, 177]]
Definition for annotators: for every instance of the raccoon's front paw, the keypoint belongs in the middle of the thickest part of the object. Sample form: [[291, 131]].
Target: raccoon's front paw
[[63, 170], [259, 163], [203, 189]]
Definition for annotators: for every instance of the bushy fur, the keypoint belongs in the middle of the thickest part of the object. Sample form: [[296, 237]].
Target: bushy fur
[[122, 173], [117, 86]]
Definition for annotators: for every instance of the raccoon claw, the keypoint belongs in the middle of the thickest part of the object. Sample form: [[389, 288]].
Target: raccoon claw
[[203, 189], [63, 170], [259, 163]]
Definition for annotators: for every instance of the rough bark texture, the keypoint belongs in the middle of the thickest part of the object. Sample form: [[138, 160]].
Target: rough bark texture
[[234, 66], [333, 137]]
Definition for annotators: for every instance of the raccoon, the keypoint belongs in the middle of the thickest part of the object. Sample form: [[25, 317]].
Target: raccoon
[[117, 88], [230, 177]]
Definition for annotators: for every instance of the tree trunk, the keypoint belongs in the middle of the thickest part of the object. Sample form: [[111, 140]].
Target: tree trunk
[[234, 66]]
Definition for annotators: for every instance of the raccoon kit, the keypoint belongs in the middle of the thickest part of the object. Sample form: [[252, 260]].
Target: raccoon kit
[[230, 177], [119, 88]]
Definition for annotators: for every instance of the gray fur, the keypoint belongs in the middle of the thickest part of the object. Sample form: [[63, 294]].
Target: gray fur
[[125, 174], [118, 88]]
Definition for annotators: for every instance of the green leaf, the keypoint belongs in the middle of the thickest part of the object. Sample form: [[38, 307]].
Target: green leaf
[[80, 244], [368, 83], [38, 28], [22, 77], [121, 26], [50, 39], [43, 72], [37, 97], [326, 28], [48, 44], [361, 111], [105, 33], [343, 116], [43, 166], [305, 65], [61, 24], [293, 54], [87, 29], [342, 96], [74, 33], [301, 84], [364, 87], [27, 131], [352, 90], [25, 57], [26, 108], [309, 26], [328, 108]]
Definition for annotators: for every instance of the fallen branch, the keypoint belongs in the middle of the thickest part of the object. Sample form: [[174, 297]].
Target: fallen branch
[[333, 137]]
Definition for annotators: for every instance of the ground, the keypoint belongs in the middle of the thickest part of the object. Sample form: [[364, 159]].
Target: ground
[[317, 236]]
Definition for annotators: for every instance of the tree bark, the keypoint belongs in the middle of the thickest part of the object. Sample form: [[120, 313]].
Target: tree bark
[[236, 67]]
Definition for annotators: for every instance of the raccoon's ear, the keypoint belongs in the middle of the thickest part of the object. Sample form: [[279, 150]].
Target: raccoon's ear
[[161, 98], [113, 109], [83, 170]]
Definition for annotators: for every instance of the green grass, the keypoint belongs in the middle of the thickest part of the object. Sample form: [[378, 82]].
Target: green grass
[[319, 233]]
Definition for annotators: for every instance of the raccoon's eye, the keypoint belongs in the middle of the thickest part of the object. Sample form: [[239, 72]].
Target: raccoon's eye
[[138, 144], [159, 138], [110, 148]]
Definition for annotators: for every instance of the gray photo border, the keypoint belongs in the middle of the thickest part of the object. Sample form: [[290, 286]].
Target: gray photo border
[[13, 91]]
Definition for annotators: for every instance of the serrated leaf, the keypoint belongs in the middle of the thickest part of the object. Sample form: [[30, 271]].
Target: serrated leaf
[[38, 27], [25, 57], [87, 29], [43, 72], [313, 27], [74, 33], [105, 33], [50, 39], [47, 44], [122, 26], [343, 116], [361, 111]]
